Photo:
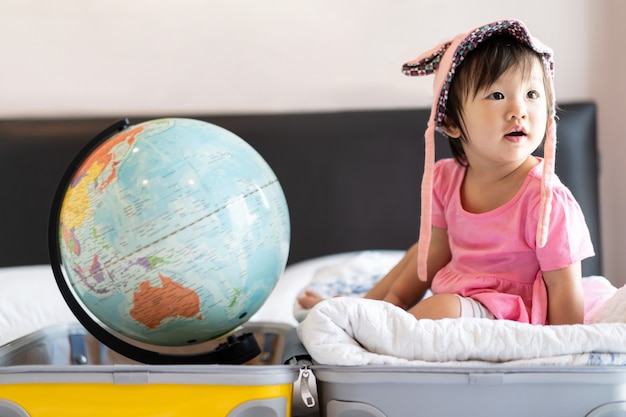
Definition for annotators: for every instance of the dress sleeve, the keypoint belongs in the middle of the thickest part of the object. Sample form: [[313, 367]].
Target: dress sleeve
[[569, 240]]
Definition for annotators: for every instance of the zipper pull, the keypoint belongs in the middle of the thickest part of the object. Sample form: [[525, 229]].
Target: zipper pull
[[305, 391]]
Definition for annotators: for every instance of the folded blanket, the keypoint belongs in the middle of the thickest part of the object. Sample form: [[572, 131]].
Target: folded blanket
[[353, 331]]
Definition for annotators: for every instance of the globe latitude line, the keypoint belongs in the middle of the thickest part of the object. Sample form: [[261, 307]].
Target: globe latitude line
[[112, 263]]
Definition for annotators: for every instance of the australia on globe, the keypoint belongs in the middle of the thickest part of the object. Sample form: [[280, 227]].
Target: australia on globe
[[172, 232]]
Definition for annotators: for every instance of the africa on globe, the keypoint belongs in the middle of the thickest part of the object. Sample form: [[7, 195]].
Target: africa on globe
[[172, 232]]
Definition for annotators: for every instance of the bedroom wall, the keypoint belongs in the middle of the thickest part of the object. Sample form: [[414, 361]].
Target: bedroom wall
[[71, 57], [115, 57], [608, 87]]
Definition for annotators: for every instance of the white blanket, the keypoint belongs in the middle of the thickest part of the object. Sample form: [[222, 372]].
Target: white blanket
[[353, 331]]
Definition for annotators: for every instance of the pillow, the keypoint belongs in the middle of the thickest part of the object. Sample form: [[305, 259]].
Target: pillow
[[29, 301]]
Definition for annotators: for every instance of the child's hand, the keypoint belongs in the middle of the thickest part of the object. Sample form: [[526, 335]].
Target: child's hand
[[309, 299]]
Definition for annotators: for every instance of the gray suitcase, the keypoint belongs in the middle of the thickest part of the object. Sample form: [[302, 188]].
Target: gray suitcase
[[451, 391], [580, 391]]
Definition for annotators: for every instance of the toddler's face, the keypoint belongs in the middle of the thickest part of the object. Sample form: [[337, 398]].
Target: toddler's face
[[506, 121]]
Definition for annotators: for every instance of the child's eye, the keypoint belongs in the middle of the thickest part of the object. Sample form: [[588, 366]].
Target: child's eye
[[533, 94], [496, 96]]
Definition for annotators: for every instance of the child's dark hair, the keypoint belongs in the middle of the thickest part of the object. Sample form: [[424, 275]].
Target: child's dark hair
[[480, 69]]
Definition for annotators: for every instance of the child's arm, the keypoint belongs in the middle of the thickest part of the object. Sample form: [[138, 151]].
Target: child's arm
[[565, 295], [401, 286]]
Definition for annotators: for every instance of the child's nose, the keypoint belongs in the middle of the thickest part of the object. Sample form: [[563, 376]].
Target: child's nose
[[517, 109]]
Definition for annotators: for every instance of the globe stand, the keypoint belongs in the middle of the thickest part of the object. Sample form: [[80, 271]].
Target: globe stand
[[237, 349]]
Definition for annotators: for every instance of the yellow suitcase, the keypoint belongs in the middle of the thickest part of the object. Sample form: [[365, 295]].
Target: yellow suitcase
[[64, 371], [146, 390]]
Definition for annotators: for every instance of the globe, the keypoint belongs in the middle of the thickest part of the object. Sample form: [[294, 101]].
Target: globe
[[171, 232]]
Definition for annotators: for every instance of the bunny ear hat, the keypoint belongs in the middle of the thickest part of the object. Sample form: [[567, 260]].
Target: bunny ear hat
[[442, 61]]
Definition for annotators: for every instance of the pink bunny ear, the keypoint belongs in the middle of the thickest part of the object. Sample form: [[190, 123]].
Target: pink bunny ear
[[427, 63], [443, 61], [427, 203], [436, 61], [545, 209]]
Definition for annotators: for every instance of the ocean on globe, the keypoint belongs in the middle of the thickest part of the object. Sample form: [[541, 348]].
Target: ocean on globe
[[172, 232]]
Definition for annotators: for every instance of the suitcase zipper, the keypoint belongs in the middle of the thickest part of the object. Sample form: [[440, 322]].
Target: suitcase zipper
[[305, 391]]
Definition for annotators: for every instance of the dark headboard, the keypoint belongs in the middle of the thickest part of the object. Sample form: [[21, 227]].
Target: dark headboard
[[351, 179]]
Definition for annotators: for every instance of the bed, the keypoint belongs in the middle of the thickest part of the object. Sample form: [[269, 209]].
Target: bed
[[351, 180]]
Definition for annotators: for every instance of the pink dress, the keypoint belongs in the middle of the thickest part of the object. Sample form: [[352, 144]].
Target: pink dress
[[494, 256]]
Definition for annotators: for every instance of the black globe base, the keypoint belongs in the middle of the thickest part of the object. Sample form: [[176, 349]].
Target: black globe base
[[238, 349]]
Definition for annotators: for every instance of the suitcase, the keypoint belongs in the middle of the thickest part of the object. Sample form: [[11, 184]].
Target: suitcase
[[577, 391], [146, 390], [64, 371], [455, 391]]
